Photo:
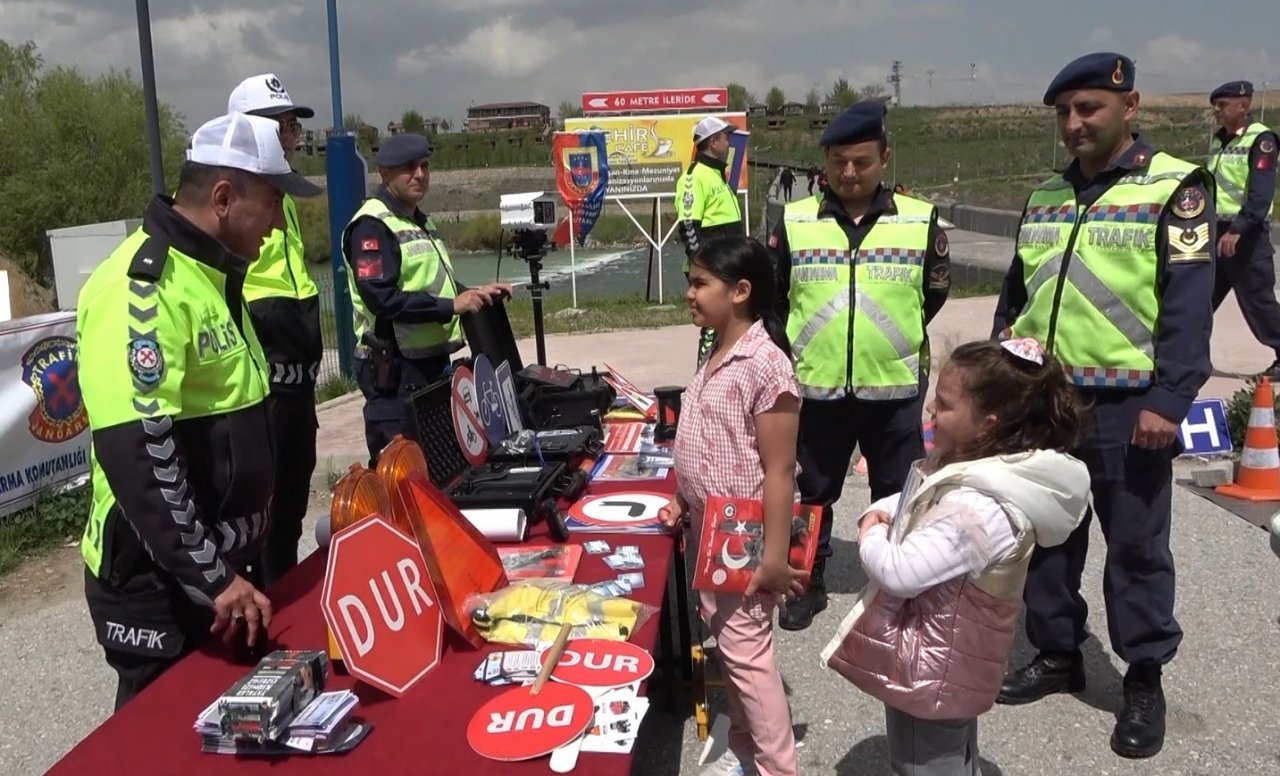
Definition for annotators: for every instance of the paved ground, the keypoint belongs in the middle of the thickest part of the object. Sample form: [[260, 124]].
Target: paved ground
[[1222, 689]]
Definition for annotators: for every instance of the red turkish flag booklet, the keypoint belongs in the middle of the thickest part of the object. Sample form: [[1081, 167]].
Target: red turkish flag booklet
[[732, 543]]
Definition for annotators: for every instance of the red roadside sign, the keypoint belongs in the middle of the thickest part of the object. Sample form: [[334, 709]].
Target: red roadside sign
[[710, 100], [601, 663], [381, 606], [519, 726]]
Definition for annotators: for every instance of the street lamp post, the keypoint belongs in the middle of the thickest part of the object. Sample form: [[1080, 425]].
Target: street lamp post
[[149, 96]]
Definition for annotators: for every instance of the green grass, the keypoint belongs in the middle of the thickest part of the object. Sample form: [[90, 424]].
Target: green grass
[[50, 522], [334, 386]]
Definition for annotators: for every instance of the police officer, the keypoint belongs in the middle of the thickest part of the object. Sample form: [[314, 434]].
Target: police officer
[[1113, 273], [706, 206], [284, 304], [174, 382], [406, 301], [861, 271], [1245, 171]]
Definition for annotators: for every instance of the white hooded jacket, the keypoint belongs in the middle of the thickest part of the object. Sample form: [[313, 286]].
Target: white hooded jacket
[[985, 507]]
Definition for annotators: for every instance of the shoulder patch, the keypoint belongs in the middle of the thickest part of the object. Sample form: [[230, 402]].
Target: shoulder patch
[[369, 244], [942, 245], [687, 201], [1189, 202], [369, 267], [773, 240], [148, 263], [146, 361], [1266, 146]]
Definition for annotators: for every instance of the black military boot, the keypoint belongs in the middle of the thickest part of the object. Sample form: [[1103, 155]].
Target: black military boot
[[798, 614], [1140, 726], [1048, 673]]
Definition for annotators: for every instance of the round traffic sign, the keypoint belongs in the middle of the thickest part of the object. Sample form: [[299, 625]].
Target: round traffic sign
[[466, 426], [492, 412], [519, 726], [601, 663], [616, 510]]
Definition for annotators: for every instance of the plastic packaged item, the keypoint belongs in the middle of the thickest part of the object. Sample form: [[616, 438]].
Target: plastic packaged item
[[533, 611]]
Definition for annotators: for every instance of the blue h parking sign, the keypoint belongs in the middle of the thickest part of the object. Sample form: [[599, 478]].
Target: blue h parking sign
[[1204, 431]]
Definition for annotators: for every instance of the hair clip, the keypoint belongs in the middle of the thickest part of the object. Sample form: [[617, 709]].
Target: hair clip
[[1026, 349]]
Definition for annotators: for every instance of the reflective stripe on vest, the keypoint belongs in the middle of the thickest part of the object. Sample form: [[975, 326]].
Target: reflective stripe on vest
[[1231, 171], [886, 286], [1101, 305], [424, 266]]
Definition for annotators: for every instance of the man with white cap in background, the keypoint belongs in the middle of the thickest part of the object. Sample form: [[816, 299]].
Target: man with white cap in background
[[284, 304], [706, 206], [174, 384]]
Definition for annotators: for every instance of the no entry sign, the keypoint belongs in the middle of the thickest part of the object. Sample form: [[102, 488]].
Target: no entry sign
[[601, 663], [519, 726], [379, 602]]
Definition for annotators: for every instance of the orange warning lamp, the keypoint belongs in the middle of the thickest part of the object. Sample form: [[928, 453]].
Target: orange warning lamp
[[401, 461], [357, 495]]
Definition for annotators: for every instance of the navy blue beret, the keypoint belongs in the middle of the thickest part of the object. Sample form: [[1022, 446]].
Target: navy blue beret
[[860, 121], [1232, 89], [1103, 70], [403, 149]]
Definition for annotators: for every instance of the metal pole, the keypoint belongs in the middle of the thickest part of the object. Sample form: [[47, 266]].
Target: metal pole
[[335, 72], [149, 96], [1263, 119]]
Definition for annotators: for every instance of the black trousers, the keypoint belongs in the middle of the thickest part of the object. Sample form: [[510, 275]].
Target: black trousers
[[888, 433], [384, 406], [145, 624], [293, 427], [1132, 498], [1251, 273]]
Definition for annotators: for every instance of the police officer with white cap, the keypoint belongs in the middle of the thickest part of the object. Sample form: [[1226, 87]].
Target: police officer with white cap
[[705, 205], [285, 305]]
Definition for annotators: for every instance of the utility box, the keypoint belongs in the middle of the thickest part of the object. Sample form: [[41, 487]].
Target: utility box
[[78, 250]]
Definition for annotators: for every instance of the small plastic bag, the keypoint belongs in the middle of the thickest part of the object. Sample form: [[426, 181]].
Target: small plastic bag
[[532, 612]]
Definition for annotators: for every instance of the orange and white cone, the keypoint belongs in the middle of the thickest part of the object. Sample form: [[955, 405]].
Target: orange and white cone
[[1259, 477]]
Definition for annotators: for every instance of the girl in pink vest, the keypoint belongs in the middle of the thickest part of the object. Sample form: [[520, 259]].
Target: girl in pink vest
[[947, 557]]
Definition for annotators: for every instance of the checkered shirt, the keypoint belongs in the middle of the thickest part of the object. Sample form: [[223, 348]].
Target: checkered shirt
[[716, 449]]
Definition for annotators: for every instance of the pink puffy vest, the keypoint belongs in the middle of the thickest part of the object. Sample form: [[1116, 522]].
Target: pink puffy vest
[[942, 654]]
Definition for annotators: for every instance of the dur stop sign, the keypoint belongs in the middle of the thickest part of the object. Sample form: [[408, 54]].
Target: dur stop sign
[[601, 663], [519, 726], [381, 607]]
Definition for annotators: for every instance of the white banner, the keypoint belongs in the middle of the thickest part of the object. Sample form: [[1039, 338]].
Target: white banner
[[44, 439]]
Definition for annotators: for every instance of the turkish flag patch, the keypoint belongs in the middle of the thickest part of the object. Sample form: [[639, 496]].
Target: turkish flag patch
[[1265, 162], [369, 244], [369, 267]]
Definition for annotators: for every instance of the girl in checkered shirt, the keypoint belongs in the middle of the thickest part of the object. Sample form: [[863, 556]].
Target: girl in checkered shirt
[[737, 438], [947, 558]]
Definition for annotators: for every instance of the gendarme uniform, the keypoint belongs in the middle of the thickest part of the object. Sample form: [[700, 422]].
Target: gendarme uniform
[[1244, 169], [856, 297], [284, 304], [1113, 275], [174, 381], [402, 292]]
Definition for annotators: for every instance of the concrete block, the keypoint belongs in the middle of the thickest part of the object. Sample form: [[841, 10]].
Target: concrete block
[[1212, 475]]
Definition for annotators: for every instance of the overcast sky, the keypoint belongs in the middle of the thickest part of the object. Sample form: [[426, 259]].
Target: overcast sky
[[439, 56]]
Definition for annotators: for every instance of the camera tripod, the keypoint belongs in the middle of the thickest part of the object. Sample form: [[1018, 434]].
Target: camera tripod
[[529, 245]]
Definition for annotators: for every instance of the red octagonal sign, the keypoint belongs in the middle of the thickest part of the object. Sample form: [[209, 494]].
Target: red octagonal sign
[[379, 602]]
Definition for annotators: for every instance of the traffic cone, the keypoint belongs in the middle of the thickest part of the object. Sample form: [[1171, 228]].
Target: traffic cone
[[1259, 477]]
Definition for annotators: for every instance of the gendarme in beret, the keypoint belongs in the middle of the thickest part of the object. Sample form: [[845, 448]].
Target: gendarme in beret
[[1232, 89], [403, 149], [1103, 70], [859, 122]]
